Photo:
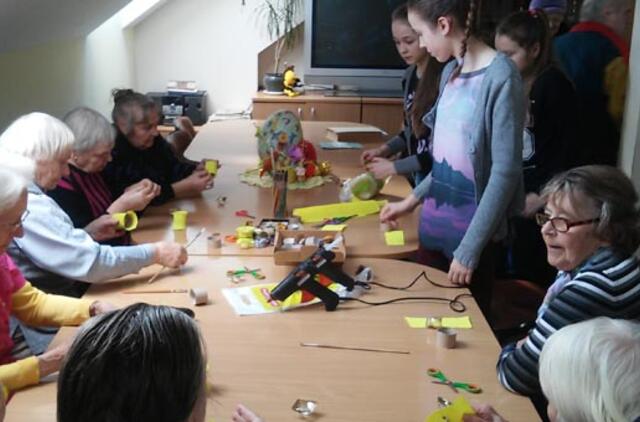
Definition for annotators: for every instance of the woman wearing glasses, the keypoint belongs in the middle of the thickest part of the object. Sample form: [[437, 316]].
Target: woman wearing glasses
[[591, 228]]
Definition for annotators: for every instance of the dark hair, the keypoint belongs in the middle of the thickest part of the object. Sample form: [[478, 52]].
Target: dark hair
[[528, 29], [125, 104], [140, 363], [429, 84], [613, 196], [463, 12]]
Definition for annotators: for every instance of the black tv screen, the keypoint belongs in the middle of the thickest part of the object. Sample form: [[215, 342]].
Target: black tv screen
[[354, 34]]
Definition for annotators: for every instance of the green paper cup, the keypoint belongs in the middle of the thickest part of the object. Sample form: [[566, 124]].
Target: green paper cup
[[126, 220], [211, 166]]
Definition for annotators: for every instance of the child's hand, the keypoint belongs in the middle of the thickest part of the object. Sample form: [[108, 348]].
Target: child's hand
[[380, 167], [370, 154], [484, 413], [242, 414], [459, 274]]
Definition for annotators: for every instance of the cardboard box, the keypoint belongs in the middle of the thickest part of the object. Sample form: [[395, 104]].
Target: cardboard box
[[361, 133], [294, 256]]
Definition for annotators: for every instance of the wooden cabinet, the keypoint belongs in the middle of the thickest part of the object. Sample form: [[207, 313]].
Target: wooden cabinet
[[385, 113]]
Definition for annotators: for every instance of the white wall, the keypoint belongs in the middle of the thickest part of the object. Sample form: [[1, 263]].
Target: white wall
[[215, 43], [56, 77]]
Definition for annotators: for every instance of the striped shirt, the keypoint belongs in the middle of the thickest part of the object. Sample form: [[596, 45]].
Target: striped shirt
[[608, 284]]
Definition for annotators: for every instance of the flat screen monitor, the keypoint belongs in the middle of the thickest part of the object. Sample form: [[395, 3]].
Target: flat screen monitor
[[348, 43]]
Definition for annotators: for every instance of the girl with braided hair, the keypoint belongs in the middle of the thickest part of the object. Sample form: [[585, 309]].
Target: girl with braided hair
[[477, 124]]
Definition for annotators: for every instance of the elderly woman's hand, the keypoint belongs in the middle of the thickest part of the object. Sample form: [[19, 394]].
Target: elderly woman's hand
[[102, 228], [459, 274], [242, 414], [484, 413], [170, 254], [197, 182], [136, 197], [99, 307]]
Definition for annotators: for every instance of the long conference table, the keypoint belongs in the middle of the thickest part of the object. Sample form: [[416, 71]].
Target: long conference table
[[259, 360]]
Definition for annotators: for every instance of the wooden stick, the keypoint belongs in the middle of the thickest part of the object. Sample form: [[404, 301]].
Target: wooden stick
[[362, 349], [153, 278], [131, 292]]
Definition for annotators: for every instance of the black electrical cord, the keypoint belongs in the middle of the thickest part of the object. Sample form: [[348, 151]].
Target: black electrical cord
[[455, 304]]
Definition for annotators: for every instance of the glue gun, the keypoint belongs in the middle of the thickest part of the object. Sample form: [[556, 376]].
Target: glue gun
[[303, 278]]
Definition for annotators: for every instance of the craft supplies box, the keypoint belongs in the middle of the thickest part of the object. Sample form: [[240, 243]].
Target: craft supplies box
[[294, 256]]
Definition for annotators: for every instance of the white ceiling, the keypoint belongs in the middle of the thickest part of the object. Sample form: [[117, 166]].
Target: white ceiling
[[27, 23]]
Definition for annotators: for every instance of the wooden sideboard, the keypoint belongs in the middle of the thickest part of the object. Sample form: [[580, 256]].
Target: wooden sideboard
[[385, 113]]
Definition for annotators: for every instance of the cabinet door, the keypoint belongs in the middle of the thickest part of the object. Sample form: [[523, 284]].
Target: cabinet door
[[332, 111], [388, 116], [262, 110]]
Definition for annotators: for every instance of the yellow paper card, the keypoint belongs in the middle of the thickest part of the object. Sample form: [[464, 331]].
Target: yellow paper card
[[415, 322], [320, 213], [456, 322], [334, 227], [394, 238], [453, 413]]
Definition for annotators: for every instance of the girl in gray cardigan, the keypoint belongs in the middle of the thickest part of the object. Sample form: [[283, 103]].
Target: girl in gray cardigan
[[477, 124]]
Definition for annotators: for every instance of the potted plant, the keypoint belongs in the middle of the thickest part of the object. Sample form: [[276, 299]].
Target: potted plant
[[280, 17]]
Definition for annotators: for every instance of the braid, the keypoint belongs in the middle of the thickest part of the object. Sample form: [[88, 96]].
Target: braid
[[469, 29]]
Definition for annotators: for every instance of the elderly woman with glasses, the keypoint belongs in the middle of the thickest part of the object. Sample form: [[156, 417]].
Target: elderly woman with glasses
[[591, 227], [83, 194], [25, 302], [53, 254]]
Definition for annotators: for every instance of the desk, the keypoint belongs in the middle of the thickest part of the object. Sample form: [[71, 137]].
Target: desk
[[257, 360], [234, 144]]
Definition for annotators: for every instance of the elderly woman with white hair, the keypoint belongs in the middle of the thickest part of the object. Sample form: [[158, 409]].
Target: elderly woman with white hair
[[589, 373], [591, 227], [54, 255], [83, 194], [26, 303]]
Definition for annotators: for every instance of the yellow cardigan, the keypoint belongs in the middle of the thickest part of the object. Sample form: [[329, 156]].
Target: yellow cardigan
[[34, 307]]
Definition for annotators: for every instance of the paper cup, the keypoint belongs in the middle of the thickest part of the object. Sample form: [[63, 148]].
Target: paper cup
[[199, 296], [211, 166], [126, 220], [446, 338], [179, 220]]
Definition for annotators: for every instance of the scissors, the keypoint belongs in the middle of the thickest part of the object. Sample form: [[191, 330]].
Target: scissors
[[244, 213], [442, 379], [237, 275], [336, 220]]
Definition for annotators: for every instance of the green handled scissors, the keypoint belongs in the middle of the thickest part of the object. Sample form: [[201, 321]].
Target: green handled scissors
[[442, 379]]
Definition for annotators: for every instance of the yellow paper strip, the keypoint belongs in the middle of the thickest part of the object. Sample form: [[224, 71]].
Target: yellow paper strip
[[334, 227], [320, 213], [394, 238], [456, 322], [416, 322]]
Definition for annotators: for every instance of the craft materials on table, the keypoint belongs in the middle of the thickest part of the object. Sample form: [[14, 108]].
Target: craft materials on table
[[132, 292], [439, 322], [199, 296], [360, 349], [279, 193], [451, 411], [454, 385], [215, 240], [237, 276], [305, 407], [153, 278], [394, 238], [334, 227], [320, 213], [222, 201], [211, 166], [179, 219], [362, 187], [244, 214], [446, 338], [334, 221], [340, 145]]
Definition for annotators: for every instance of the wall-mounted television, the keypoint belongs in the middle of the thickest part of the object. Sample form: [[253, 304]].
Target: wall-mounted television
[[348, 43]]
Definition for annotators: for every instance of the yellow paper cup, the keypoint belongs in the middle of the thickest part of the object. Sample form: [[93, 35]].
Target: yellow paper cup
[[126, 220], [211, 166], [179, 220]]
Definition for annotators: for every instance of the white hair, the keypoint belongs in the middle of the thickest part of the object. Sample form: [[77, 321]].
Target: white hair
[[591, 10], [12, 186], [589, 371], [37, 136], [90, 129]]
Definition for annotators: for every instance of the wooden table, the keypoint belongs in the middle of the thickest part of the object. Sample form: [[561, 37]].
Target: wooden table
[[234, 144], [257, 360]]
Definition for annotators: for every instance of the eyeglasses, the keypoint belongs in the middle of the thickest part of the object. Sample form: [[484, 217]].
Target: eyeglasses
[[561, 224], [15, 226]]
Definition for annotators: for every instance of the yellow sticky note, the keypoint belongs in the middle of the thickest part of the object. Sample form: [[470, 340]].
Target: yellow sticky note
[[334, 227], [456, 322], [415, 322], [453, 413], [394, 238]]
